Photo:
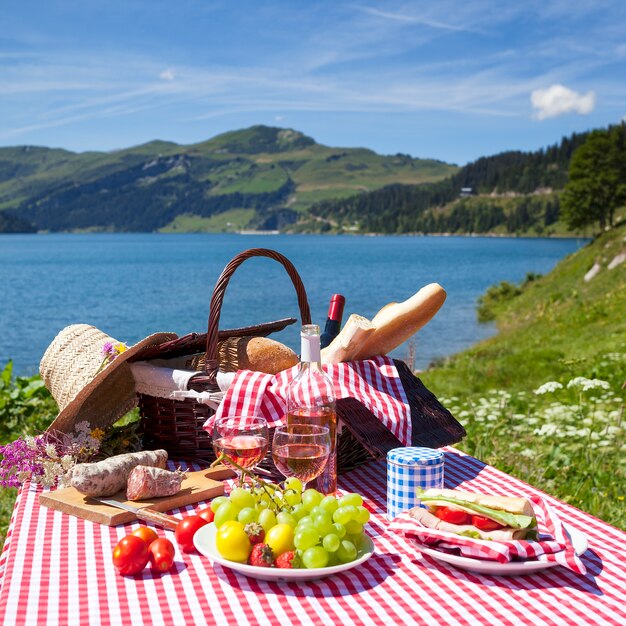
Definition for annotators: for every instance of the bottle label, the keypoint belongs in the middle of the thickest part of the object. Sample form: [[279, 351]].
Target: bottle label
[[310, 348]]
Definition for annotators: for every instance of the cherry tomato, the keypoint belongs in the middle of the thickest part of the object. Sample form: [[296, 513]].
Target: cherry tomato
[[484, 523], [185, 531], [130, 555], [162, 553], [452, 516], [232, 542], [145, 533], [208, 514]]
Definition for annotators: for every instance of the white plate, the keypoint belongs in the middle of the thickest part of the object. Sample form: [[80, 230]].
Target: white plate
[[204, 540], [514, 568]]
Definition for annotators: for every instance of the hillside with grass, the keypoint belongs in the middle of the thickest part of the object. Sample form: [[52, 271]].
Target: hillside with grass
[[260, 177], [512, 193], [544, 399]]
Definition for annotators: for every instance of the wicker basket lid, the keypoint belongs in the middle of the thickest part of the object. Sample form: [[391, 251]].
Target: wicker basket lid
[[84, 384]]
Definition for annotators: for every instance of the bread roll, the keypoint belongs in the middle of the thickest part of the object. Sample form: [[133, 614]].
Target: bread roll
[[398, 321], [258, 354]]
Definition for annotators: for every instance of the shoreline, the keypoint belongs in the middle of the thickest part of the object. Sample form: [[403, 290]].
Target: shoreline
[[267, 233]]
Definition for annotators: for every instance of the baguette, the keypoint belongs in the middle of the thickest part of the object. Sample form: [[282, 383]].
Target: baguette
[[431, 521], [398, 321], [347, 343], [476, 514], [520, 506]]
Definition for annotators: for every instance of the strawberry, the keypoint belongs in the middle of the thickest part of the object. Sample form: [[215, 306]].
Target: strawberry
[[261, 556], [255, 532], [288, 560]]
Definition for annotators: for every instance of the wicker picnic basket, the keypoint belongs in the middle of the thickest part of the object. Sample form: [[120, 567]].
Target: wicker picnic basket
[[177, 424]]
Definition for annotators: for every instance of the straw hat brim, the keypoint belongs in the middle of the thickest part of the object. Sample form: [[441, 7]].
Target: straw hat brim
[[109, 395]]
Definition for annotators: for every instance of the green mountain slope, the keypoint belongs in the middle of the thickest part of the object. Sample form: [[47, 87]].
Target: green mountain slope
[[511, 192], [563, 329], [276, 172]]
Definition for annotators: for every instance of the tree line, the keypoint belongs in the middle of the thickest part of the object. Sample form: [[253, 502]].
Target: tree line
[[416, 208]]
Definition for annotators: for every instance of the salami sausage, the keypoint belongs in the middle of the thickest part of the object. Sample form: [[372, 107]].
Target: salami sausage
[[107, 477], [152, 482]]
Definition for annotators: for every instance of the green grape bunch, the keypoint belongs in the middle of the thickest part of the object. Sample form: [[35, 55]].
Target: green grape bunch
[[323, 530]]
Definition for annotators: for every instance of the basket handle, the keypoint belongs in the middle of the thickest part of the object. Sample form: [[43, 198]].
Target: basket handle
[[218, 298]]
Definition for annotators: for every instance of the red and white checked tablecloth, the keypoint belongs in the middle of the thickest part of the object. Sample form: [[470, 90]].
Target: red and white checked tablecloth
[[57, 569]]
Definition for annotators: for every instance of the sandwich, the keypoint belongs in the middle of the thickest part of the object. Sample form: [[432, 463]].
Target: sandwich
[[476, 515]]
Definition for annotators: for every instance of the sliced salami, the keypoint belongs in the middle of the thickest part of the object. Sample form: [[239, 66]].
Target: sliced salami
[[152, 482]]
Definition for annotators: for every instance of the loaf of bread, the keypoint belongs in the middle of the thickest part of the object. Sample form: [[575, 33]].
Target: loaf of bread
[[258, 354], [392, 325]]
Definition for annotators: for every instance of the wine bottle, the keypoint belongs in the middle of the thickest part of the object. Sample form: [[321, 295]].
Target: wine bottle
[[311, 400], [333, 321]]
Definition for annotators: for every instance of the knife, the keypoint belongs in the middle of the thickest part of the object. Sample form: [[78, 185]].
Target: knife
[[148, 515]]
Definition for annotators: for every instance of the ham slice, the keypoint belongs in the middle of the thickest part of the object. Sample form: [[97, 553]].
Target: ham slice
[[425, 517]]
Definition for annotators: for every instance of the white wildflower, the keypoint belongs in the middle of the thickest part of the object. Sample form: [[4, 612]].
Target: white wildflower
[[528, 453], [51, 451], [67, 462], [549, 387], [546, 430], [587, 384]]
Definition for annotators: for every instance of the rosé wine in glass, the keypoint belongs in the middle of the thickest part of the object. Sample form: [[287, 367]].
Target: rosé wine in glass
[[301, 450], [242, 439]]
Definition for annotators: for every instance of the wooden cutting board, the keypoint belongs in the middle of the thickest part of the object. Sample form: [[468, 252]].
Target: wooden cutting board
[[196, 487]]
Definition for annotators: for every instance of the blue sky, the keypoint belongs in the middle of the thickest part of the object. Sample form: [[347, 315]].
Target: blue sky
[[453, 80]]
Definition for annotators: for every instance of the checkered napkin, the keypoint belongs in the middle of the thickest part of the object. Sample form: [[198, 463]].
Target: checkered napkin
[[553, 545], [375, 383]]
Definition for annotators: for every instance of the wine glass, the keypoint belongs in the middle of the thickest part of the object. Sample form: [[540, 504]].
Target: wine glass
[[301, 450], [243, 439]]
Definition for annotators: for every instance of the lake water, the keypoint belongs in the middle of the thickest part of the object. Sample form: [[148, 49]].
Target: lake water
[[131, 285]]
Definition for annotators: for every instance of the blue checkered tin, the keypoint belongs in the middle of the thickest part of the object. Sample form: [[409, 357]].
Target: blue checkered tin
[[410, 469]]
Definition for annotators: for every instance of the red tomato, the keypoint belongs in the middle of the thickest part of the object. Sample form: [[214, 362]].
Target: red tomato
[[452, 516], [185, 531], [162, 553], [207, 514], [130, 555], [145, 533], [484, 523]]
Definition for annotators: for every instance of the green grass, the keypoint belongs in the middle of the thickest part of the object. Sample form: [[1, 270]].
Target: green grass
[[569, 443], [227, 222]]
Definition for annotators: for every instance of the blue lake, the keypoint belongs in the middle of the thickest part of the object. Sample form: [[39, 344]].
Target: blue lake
[[131, 285]]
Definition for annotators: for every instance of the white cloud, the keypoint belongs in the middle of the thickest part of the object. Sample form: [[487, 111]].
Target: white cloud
[[167, 74], [557, 100], [279, 118]]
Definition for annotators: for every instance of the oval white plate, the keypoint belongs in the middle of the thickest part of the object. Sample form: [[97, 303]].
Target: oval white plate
[[204, 540], [515, 568]]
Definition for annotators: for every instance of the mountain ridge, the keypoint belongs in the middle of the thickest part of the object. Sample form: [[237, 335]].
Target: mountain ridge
[[277, 172]]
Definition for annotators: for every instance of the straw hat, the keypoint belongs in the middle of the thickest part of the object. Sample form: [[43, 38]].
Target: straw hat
[[84, 384]]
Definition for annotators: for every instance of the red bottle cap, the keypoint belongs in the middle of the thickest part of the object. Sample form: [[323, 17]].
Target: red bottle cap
[[335, 310]]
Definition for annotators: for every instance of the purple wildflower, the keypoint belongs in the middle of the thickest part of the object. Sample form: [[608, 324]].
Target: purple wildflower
[[108, 350]]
